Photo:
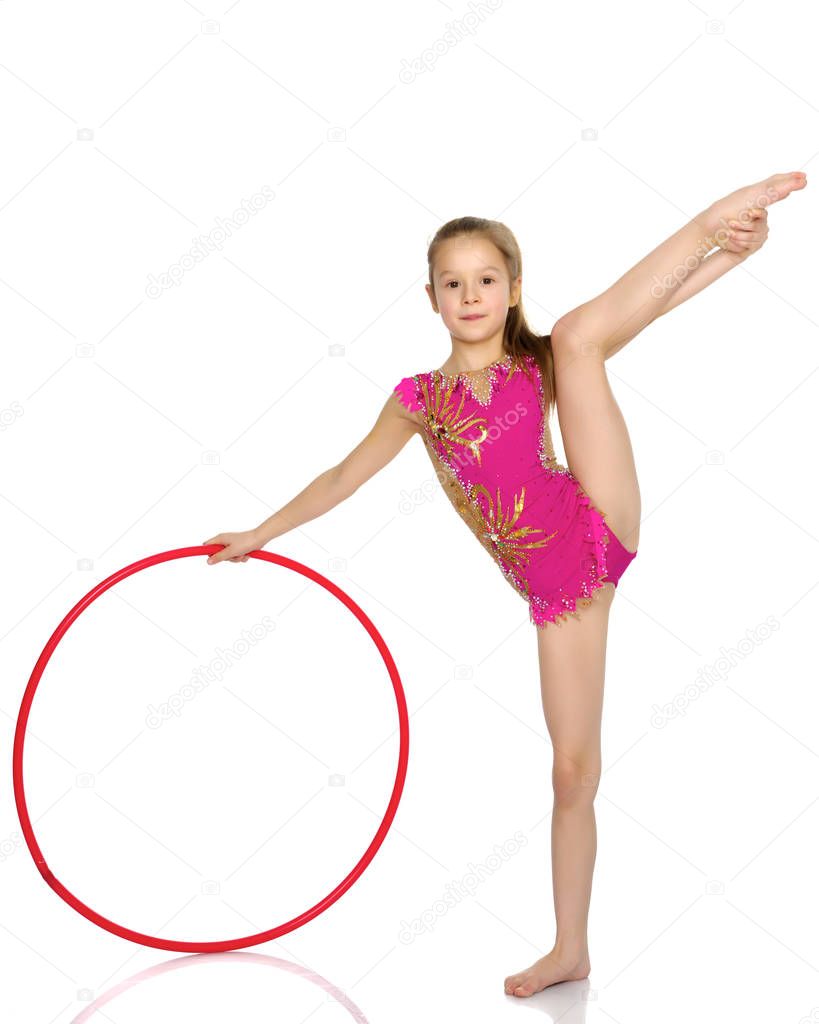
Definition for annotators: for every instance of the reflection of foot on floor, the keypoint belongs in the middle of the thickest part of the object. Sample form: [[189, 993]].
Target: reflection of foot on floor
[[549, 970]]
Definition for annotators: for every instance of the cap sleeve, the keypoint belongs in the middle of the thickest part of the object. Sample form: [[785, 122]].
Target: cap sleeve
[[407, 391]]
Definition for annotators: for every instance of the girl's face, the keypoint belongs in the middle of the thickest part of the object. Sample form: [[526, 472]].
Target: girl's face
[[471, 279]]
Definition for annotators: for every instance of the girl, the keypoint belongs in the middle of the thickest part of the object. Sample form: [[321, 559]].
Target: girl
[[484, 421]]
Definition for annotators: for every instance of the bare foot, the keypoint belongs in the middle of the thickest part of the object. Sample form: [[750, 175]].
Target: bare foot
[[549, 970]]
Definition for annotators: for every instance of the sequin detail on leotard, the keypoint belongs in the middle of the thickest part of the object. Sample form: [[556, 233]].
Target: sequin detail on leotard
[[487, 435]]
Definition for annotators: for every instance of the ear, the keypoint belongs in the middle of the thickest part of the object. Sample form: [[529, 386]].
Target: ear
[[431, 293], [514, 291]]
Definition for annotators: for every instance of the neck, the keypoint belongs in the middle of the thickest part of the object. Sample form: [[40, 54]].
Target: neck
[[469, 358]]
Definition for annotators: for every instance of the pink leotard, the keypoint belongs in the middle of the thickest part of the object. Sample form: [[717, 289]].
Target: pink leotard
[[488, 437]]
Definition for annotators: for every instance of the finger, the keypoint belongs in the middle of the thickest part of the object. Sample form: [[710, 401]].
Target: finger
[[728, 243], [736, 225], [750, 217], [747, 236], [756, 232], [759, 223]]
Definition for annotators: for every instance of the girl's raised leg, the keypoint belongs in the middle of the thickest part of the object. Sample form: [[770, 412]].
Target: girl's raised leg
[[595, 437], [572, 664]]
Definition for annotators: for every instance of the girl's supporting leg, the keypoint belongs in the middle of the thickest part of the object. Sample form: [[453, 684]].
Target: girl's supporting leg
[[572, 656], [595, 437], [572, 664]]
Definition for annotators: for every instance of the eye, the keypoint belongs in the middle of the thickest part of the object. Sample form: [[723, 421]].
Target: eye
[[455, 282]]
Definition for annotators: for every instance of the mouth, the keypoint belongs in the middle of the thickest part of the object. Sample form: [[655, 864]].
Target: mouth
[[474, 316]]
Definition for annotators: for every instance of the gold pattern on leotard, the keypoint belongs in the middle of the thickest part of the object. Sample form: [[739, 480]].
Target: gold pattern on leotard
[[482, 383], [501, 531], [446, 424], [470, 511], [497, 529]]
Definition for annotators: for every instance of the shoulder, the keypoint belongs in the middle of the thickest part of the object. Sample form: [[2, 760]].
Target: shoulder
[[408, 391]]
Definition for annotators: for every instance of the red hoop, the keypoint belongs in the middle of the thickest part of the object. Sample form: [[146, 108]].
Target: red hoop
[[248, 940]]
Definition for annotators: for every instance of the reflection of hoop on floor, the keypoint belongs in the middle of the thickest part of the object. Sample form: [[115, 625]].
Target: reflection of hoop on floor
[[248, 940], [332, 992]]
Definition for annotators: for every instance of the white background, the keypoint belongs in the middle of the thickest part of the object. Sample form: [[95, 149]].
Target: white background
[[137, 422]]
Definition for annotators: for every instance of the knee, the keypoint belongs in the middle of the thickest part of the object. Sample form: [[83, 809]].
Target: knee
[[572, 338], [575, 782]]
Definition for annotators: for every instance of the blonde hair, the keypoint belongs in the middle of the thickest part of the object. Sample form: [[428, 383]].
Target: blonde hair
[[518, 337]]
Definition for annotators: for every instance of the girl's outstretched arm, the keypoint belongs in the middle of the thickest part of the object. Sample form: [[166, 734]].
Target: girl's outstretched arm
[[680, 266], [390, 432]]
